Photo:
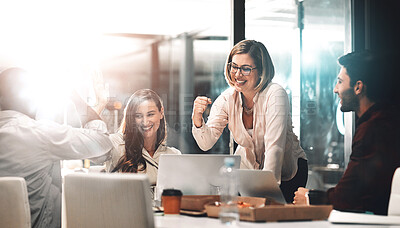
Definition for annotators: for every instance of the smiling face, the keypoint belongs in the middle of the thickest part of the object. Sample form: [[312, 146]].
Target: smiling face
[[147, 118], [348, 99], [244, 84]]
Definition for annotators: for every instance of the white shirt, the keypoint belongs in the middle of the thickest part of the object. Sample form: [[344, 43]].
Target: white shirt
[[33, 149], [151, 162], [272, 146]]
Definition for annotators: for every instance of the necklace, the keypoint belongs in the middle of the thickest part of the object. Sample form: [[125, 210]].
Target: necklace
[[247, 110]]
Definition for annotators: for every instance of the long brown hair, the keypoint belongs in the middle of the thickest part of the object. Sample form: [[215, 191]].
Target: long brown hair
[[134, 141]]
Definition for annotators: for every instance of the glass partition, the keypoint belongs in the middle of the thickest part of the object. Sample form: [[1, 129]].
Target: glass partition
[[179, 49], [177, 66], [305, 38], [206, 67], [183, 66]]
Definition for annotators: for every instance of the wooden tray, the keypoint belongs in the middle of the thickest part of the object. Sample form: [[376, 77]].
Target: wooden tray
[[278, 212]]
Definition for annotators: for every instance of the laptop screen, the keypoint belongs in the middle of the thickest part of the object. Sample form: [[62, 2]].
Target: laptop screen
[[259, 183], [193, 174]]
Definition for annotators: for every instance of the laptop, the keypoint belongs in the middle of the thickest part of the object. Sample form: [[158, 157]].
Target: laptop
[[193, 174], [259, 183]]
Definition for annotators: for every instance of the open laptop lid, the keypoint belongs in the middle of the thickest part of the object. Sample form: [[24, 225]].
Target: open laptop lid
[[193, 174], [259, 183]]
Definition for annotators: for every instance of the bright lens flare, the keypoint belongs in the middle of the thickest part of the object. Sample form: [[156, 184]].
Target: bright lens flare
[[50, 91]]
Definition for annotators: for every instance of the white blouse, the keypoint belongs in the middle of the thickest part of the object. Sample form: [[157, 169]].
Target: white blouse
[[151, 162], [272, 146]]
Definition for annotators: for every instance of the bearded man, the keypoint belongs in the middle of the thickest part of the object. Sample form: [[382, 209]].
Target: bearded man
[[363, 86]]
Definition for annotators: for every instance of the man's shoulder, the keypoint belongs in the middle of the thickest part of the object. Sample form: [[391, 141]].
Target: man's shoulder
[[382, 125], [384, 117], [11, 114], [10, 118]]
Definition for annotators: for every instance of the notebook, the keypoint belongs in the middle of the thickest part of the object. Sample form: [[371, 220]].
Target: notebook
[[341, 217], [259, 183], [193, 174]]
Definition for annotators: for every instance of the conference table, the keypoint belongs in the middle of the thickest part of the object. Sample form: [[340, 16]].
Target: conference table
[[184, 221]]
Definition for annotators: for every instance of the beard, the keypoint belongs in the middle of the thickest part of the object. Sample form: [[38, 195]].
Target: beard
[[350, 101]]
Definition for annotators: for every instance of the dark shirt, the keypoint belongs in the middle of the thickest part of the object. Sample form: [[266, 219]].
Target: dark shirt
[[367, 181]]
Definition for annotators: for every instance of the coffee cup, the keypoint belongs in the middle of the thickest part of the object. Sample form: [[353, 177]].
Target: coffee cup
[[317, 197], [171, 201]]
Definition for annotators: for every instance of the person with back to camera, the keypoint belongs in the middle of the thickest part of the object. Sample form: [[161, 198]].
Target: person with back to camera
[[33, 149], [257, 112], [363, 86], [142, 136]]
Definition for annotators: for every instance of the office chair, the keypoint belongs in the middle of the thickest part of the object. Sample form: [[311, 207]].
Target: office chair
[[108, 200], [394, 206], [14, 203]]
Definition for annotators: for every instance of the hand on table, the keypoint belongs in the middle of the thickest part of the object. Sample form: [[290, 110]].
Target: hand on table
[[101, 91], [301, 197]]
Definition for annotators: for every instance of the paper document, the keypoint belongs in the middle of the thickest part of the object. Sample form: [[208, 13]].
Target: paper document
[[362, 218]]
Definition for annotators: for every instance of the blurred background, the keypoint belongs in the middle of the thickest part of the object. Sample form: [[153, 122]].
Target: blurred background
[[178, 48]]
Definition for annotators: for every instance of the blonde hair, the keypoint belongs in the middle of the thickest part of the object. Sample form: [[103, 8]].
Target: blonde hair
[[262, 60]]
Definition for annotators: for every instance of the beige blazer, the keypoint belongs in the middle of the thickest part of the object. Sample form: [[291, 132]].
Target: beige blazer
[[272, 145]]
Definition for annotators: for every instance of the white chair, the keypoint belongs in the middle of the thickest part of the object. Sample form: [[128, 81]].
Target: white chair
[[14, 203], [108, 200], [394, 202]]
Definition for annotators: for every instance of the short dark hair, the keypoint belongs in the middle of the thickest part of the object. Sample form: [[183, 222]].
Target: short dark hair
[[374, 69]]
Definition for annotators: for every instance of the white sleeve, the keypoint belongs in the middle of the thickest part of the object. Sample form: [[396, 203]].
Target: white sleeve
[[66, 142], [208, 134], [275, 132]]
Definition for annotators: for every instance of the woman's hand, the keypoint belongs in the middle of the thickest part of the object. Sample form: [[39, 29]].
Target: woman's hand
[[301, 197], [101, 91], [199, 106]]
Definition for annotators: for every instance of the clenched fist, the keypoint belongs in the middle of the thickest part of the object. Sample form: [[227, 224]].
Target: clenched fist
[[199, 106]]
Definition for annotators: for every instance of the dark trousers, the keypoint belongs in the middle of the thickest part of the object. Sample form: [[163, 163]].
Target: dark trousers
[[299, 180]]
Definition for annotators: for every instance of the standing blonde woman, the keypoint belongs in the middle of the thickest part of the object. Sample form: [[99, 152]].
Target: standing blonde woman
[[257, 112]]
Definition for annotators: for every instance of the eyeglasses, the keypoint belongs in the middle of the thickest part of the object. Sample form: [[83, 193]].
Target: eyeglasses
[[246, 70]]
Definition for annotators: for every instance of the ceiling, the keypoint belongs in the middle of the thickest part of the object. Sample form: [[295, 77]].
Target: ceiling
[[118, 34], [46, 29], [73, 30]]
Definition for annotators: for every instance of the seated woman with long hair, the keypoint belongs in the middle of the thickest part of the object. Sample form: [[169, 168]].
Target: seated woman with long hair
[[141, 138]]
